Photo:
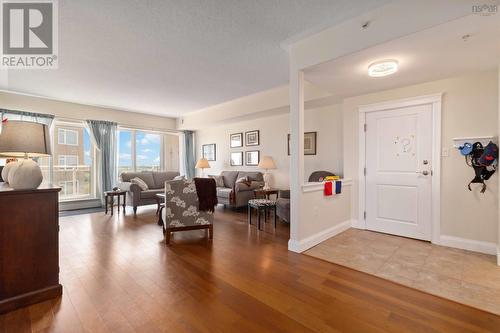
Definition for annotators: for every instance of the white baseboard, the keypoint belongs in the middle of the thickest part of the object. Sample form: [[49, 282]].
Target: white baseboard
[[356, 224], [79, 204], [307, 243], [469, 244]]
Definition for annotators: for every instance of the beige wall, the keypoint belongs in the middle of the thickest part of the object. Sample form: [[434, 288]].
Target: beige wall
[[470, 108], [327, 121], [83, 112]]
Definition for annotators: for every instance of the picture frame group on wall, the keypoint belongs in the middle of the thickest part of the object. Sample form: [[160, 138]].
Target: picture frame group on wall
[[310, 143], [252, 138], [209, 152], [252, 157], [240, 158], [236, 140], [236, 158]]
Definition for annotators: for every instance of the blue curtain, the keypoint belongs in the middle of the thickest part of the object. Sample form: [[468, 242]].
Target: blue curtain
[[189, 158], [105, 137]]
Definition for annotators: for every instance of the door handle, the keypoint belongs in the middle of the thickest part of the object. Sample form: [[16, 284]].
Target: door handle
[[425, 172]]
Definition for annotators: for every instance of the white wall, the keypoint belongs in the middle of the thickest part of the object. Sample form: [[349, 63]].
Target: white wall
[[470, 108], [171, 153], [266, 102], [322, 216], [83, 112], [327, 121]]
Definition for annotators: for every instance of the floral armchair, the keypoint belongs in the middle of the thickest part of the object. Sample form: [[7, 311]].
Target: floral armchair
[[181, 209]]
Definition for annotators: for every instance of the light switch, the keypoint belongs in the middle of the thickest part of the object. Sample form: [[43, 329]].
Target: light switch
[[445, 152]]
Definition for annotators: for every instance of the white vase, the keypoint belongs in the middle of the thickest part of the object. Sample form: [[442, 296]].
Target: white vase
[[6, 170], [25, 175]]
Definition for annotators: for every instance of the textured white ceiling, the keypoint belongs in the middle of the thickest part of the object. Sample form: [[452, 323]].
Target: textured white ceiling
[[175, 56], [432, 54]]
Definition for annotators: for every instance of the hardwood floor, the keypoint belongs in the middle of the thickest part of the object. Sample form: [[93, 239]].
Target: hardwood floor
[[118, 276]]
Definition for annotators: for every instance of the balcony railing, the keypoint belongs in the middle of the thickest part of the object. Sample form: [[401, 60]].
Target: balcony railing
[[76, 181]]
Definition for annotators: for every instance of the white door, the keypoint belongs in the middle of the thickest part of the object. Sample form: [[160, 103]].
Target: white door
[[398, 171]]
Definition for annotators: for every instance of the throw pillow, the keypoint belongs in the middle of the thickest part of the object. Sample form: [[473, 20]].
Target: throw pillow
[[179, 178], [244, 180], [139, 182], [219, 181]]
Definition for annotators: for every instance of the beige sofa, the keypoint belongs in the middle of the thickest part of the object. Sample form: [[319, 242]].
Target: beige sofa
[[155, 181]]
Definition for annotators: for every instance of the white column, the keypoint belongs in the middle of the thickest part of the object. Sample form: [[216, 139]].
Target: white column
[[297, 156]]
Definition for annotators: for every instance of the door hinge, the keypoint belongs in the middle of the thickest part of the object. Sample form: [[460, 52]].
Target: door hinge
[[365, 127], [364, 215], [364, 171]]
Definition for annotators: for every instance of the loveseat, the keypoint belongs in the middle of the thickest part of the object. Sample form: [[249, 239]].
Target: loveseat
[[155, 181], [235, 194], [283, 205]]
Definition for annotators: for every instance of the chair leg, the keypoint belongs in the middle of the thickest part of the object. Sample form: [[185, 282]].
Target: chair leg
[[211, 231], [135, 210], [275, 217], [167, 237]]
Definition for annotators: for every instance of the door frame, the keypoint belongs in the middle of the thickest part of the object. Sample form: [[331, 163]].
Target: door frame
[[435, 101]]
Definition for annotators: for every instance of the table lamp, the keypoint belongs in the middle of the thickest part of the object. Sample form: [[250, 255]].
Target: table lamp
[[202, 164], [267, 163], [23, 139]]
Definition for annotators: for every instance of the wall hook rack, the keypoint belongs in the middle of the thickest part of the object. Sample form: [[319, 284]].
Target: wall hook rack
[[459, 142]]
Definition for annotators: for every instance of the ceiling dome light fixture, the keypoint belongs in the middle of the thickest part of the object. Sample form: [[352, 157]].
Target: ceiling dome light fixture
[[383, 68]]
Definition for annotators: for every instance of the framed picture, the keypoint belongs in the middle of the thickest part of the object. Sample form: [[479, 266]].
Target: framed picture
[[252, 158], [237, 158], [252, 138], [236, 140], [310, 143], [209, 152]]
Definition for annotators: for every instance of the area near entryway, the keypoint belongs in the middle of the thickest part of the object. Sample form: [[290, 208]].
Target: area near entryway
[[463, 276]]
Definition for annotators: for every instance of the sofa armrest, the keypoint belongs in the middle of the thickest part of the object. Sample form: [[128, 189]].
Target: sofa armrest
[[129, 187], [241, 187]]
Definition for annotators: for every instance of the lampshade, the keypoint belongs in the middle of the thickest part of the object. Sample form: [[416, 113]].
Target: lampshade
[[267, 162], [202, 164], [21, 138]]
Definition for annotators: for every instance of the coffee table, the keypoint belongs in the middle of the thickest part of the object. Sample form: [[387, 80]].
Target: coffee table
[[261, 205]]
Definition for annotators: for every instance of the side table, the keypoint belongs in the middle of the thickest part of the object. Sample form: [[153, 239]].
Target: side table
[[109, 199], [259, 193]]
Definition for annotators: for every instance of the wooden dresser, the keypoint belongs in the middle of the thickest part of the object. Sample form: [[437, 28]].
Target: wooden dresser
[[29, 246]]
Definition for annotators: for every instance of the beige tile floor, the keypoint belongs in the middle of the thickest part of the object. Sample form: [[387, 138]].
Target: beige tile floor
[[463, 276]]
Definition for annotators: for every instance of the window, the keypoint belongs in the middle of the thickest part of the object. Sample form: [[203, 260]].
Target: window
[[139, 151], [73, 161], [148, 146], [68, 161], [67, 137], [125, 162], [70, 188]]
